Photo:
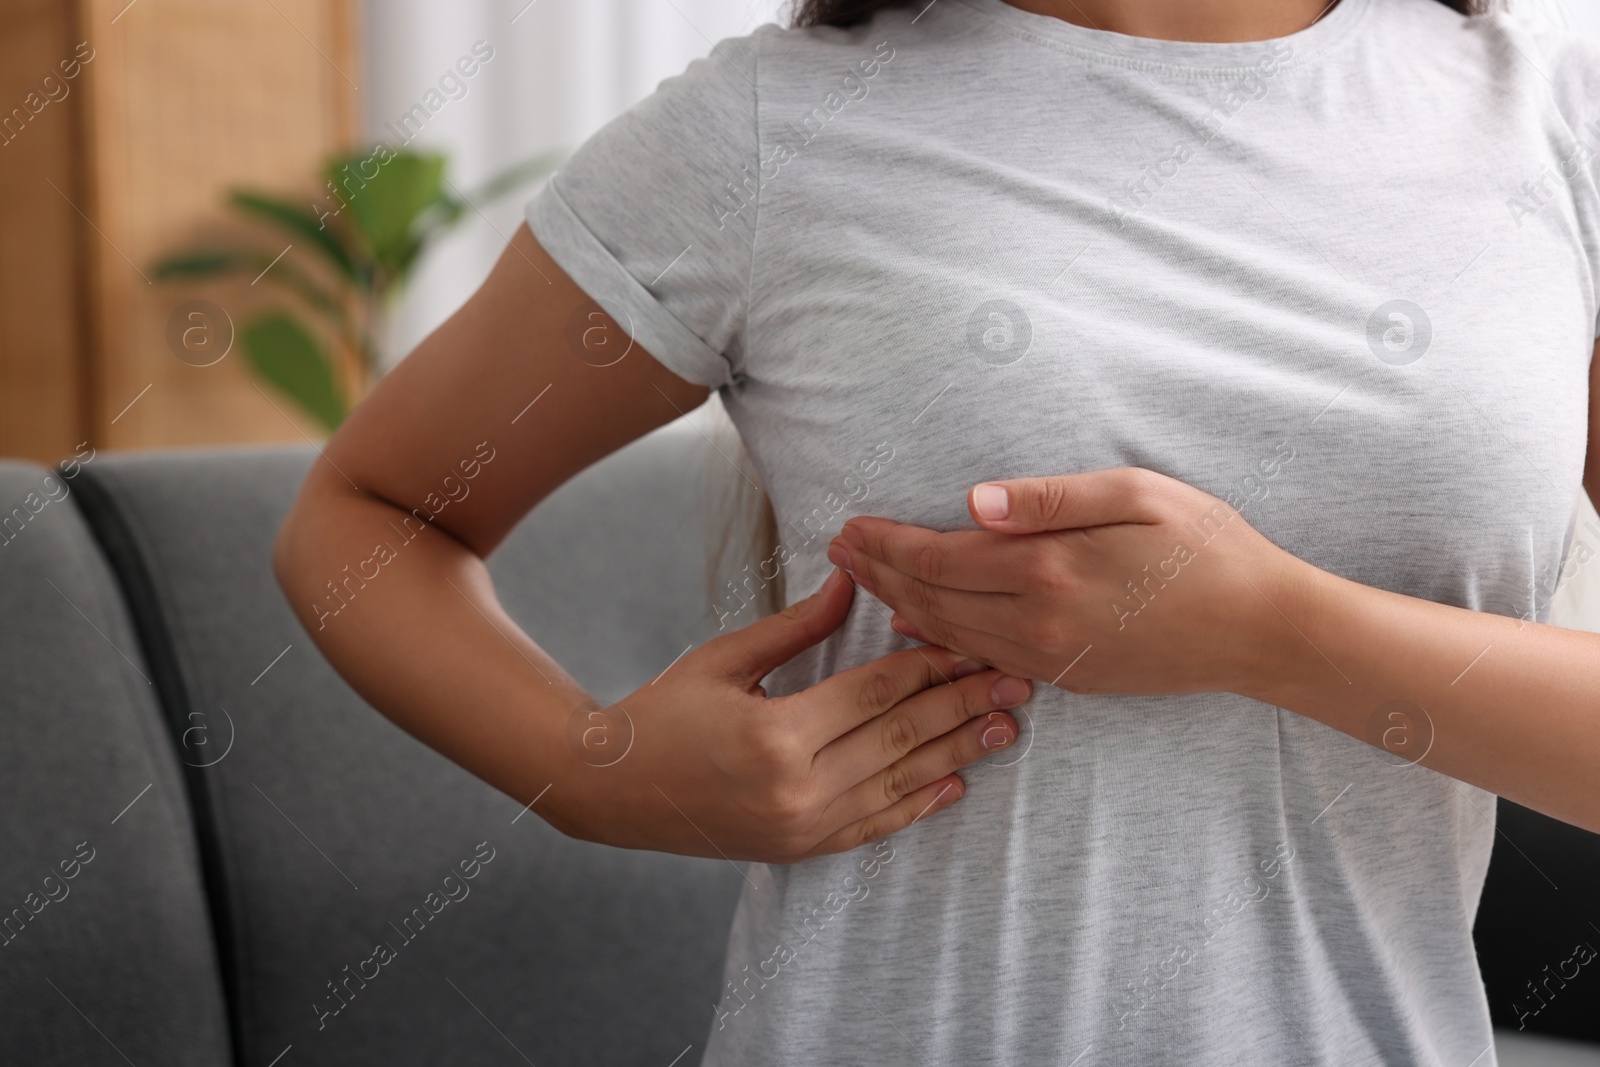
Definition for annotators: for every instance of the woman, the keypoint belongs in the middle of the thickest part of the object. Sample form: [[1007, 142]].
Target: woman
[[1220, 372]]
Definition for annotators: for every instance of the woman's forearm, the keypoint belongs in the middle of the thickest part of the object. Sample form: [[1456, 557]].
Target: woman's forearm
[[1127, 581], [1507, 705], [407, 615], [713, 766]]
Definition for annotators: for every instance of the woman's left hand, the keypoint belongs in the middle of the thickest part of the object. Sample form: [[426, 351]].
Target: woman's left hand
[[1115, 581]]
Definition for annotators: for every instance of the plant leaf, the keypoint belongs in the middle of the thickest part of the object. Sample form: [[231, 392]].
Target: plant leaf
[[386, 204], [287, 357], [284, 273], [406, 257], [299, 222], [204, 264]]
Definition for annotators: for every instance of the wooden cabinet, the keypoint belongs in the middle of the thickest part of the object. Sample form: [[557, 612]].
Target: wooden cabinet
[[121, 127]]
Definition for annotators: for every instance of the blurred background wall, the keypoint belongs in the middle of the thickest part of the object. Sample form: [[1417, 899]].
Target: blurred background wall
[[121, 124]]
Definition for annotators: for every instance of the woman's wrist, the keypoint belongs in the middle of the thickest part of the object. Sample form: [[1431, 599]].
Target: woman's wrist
[[1279, 660], [1333, 650]]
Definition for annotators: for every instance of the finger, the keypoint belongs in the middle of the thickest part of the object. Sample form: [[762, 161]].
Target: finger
[[977, 560], [1066, 502], [993, 612], [994, 650], [863, 693], [930, 799], [933, 762], [873, 746], [746, 656]]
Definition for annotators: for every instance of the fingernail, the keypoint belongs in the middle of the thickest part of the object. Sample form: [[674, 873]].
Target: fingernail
[[905, 629], [853, 538], [966, 668], [991, 501], [837, 555], [833, 580], [1008, 691], [996, 735]]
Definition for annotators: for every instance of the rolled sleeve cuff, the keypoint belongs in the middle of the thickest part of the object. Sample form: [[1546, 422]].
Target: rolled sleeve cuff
[[598, 273]]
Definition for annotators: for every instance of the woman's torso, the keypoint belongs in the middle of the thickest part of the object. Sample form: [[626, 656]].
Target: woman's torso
[[1018, 248], [1010, 259]]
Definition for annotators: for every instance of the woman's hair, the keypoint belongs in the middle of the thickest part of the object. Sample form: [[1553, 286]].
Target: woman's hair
[[849, 12]]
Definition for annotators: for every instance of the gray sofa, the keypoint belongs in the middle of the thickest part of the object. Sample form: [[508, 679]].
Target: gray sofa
[[205, 836]]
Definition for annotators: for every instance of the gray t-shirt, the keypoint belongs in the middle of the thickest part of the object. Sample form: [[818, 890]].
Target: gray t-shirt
[[1345, 280]]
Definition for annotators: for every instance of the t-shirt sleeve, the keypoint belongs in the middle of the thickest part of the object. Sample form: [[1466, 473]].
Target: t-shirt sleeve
[[1570, 64], [654, 216]]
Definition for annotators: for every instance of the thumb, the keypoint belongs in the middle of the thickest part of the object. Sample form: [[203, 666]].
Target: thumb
[[1066, 501], [748, 655]]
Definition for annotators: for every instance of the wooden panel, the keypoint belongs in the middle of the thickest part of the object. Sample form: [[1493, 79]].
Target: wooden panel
[[190, 98], [42, 342]]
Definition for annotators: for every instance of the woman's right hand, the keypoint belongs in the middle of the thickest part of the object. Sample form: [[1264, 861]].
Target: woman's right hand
[[717, 768]]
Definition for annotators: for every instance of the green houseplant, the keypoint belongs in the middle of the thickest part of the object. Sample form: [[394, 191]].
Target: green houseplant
[[352, 253]]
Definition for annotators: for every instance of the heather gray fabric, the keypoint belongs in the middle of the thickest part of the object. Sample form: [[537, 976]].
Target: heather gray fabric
[[1344, 280], [105, 939], [328, 824]]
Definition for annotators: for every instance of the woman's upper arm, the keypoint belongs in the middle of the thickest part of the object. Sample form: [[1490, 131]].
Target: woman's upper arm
[[634, 216], [420, 439], [1591, 462]]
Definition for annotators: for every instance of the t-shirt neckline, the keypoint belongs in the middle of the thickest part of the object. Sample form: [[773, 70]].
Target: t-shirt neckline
[[1151, 53]]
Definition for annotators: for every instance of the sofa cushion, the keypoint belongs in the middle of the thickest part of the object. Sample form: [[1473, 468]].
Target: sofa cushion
[[105, 939], [334, 832]]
